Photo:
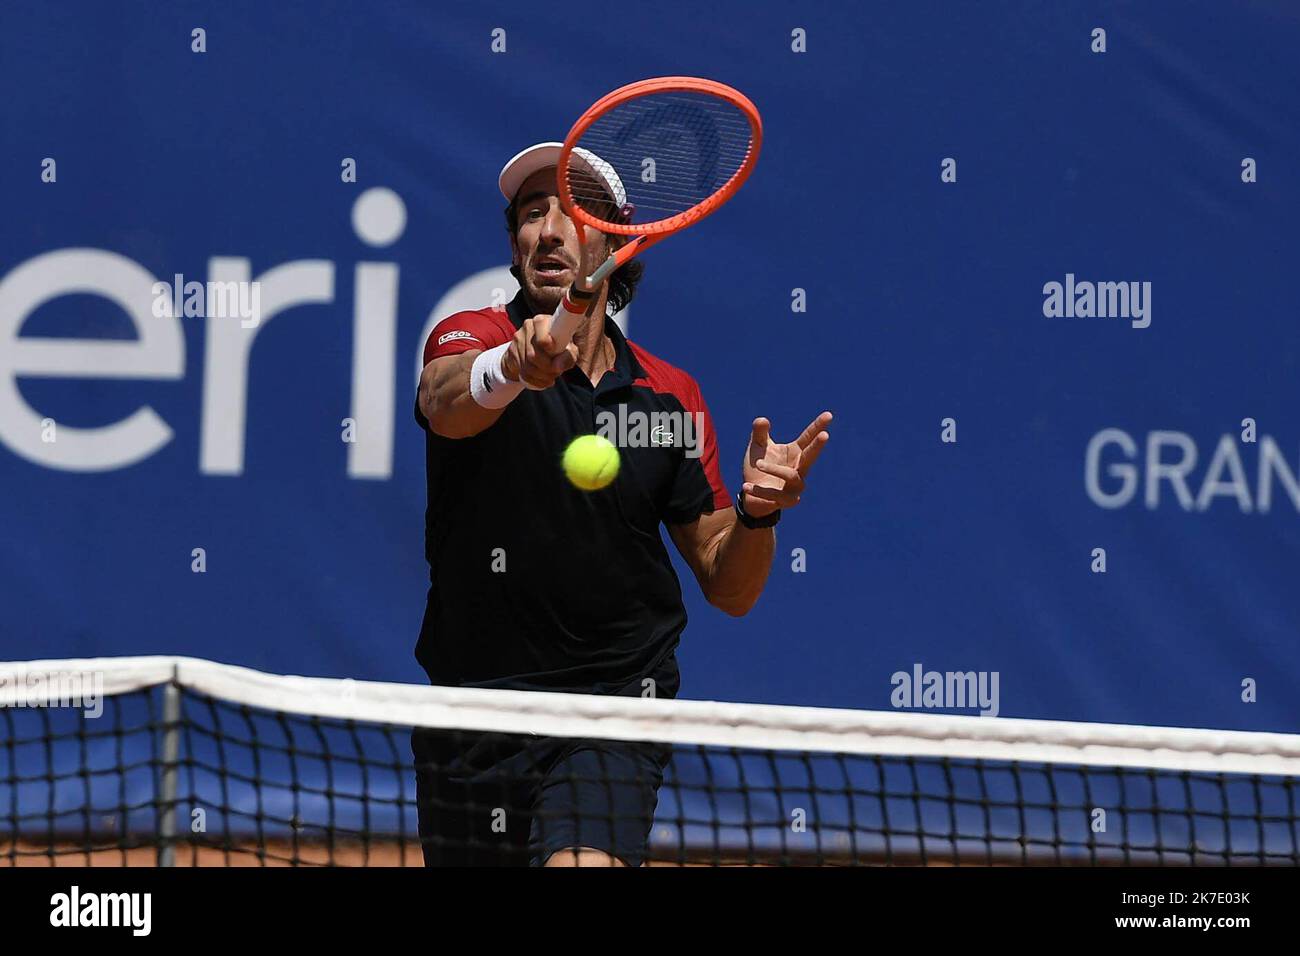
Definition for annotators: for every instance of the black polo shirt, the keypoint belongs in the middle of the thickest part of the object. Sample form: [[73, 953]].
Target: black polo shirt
[[535, 584]]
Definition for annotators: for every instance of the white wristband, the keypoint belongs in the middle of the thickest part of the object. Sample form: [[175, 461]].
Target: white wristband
[[488, 385]]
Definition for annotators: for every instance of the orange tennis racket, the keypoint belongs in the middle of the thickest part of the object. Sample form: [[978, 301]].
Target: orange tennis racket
[[649, 160]]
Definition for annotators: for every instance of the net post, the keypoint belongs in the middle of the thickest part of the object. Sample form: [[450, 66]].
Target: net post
[[170, 755]]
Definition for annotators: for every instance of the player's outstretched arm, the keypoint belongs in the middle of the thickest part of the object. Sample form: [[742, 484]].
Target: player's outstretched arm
[[445, 400], [461, 395], [730, 557]]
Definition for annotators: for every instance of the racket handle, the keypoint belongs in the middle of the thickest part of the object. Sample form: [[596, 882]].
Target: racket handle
[[601, 274], [619, 258], [564, 322]]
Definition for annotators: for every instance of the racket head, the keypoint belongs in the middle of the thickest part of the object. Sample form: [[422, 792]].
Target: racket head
[[658, 155]]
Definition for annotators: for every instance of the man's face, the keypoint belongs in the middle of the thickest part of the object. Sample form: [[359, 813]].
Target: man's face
[[545, 243]]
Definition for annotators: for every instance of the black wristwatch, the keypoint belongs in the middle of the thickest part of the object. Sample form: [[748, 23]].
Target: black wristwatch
[[751, 522]]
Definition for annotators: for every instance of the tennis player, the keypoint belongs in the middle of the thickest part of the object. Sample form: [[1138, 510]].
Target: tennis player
[[536, 585]]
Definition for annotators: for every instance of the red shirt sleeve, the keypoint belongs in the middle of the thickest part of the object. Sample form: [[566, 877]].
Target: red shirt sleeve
[[709, 456], [698, 487], [468, 331], [465, 332]]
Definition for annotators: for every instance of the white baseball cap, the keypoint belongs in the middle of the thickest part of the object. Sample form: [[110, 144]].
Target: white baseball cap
[[542, 155]]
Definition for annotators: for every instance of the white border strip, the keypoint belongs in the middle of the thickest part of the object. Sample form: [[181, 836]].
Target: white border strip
[[707, 723]]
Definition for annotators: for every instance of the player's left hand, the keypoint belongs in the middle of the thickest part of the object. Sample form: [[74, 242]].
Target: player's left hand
[[774, 474]]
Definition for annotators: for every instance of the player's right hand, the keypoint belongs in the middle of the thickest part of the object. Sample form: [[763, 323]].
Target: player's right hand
[[533, 358]]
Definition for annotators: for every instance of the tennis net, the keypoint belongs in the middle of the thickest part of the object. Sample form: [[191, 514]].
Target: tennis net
[[176, 761]]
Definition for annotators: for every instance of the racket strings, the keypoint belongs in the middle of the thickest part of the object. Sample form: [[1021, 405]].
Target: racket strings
[[665, 153]]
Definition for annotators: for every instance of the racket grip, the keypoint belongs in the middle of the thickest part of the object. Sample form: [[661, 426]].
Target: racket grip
[[564, 322]]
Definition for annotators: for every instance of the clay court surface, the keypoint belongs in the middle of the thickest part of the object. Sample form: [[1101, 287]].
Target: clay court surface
[[385, 854]]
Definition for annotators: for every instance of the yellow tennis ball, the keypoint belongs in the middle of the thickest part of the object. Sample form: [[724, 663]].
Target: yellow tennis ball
[[591, 462]]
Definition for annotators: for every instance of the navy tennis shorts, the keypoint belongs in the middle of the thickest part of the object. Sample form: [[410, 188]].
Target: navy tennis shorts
[[489, 799]]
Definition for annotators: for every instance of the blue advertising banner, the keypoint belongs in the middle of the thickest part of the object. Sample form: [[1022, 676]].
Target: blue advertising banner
[[1038, 259]]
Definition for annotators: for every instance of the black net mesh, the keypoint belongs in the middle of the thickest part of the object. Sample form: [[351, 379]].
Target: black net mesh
[[170, 775]]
